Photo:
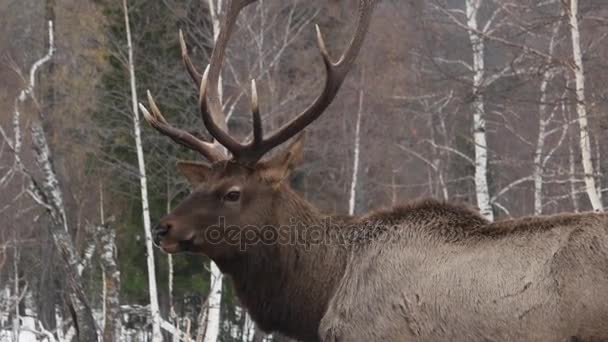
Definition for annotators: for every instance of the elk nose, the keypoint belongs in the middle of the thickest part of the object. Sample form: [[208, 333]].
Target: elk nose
[[161, 231]]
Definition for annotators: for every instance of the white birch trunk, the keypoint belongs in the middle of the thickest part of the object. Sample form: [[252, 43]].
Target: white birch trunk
[[50, 190], [170, 280], [111, 284], [581, 109], [248, 328], [538, 154], [16, 295], [352, 202], [112, 317], [104, 283], [172, 315], [154, 307], [212, 330], [202, 319], [479, 122], [212, 318], [47, 192]]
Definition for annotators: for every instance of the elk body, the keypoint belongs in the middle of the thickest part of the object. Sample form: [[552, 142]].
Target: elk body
[[426, 271]]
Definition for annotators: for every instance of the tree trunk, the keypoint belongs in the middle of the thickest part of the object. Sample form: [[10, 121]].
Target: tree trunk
[[479, 122], [48, 193], [50, 190], [154, 308], [172, 314], [352, 202], [16, 293], [246, 326], [581, 110], [211, 325], [214, 301], [108, 259]]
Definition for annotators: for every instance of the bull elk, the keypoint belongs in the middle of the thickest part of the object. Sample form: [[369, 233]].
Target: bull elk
[[424, 271]]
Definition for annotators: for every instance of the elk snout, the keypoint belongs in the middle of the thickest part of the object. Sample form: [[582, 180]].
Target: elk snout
[[160, 231]]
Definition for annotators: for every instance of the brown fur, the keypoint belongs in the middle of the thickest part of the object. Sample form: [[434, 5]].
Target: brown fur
[[531, 279], [445, 274]]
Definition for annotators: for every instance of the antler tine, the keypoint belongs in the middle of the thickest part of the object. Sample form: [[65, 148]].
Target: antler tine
[[157, 120], [336, 73], [196, 76], [258, 133], [211, 107], [213, 127]]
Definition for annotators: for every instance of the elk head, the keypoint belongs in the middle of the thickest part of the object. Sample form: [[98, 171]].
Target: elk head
[[240, 190]]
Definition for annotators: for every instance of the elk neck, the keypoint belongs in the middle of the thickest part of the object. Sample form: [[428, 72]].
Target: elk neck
[[286, 286]]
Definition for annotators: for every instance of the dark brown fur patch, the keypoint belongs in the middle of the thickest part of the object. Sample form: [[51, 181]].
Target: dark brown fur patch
[[448, 221], [455, 222]]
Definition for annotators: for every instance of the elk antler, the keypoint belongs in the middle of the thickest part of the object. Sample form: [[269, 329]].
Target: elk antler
[[211, 108], [211, 151], [156, 119], [194, 74]]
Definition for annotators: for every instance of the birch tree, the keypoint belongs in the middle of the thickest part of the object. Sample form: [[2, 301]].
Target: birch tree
[[482, 20], [479, 120], [152, 288], [211, 321], [545, 118], [581, 108], [352, 202], [480, 79], [44, 188], [111, 280], [16, 321], [49, 193]]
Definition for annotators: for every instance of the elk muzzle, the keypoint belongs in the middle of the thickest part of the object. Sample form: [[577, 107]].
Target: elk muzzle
[[172, 235]]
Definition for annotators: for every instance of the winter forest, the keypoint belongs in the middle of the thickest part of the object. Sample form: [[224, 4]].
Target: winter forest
[[497, 104]]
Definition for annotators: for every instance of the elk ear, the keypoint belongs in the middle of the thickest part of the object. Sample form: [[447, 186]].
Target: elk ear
[[278, 167], [195, 173]]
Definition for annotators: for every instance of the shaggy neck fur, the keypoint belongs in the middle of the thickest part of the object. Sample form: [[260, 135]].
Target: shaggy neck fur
[[286, 287]]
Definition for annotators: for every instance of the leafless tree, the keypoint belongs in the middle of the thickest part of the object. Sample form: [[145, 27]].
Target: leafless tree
[[44, 188]]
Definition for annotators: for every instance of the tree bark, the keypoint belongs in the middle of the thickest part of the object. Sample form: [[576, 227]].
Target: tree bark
[[109, 262], [152, 288], [479, 122], [16, 321], [50, 191], [214, 302], [352, 202], [211, 324], [46, 191], [581, 109]]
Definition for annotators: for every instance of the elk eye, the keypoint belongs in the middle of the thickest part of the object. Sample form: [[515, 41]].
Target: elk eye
[[232, 196]]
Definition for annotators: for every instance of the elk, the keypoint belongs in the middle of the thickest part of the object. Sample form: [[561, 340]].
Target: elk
[[422, 271]]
